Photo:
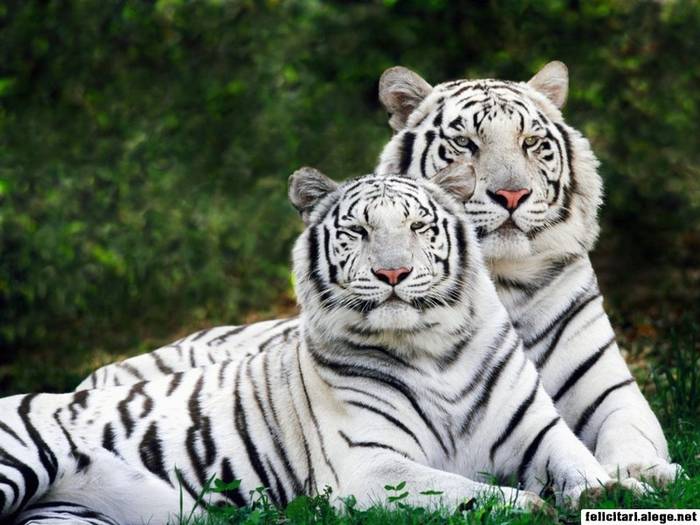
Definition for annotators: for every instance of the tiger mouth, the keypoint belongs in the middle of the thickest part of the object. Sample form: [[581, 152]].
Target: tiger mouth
[[506, 227], [509, 224], [394, 299]]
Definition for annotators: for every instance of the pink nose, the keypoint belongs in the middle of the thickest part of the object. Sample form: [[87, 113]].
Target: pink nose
[[392, 276], [511, 199]]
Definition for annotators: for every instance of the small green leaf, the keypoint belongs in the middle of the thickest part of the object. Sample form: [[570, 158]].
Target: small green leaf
[[432, 493], [220, 486]]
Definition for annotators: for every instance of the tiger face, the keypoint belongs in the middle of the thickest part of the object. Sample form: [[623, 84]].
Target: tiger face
[[382, 253], [537, 190]]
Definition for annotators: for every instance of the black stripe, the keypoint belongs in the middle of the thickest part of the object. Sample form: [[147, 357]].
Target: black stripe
[[30, 478], [11, 432], [160, 364], [515, 420], [7, 481], [314, 269], [174, 383], [63, 511], [590, 410], [108, 438], [380, 352], [406, 149], [83, 461], [570, 161], [450, 358], [241, 422], [429, 137], [151, 453], [381, 377], [494, 374], [200, 334], [532, 449], [79, 401], [227, 476], [310, 482], [274, 432], [279, 489], [532, 341], [503, 332], [220, 339], [332, 270], [199, 433], [313, 418], [131, 369], [542, 359], [582, 369], [370, 444], [186, 484], [391, 419], [123, 407], [46, 455]]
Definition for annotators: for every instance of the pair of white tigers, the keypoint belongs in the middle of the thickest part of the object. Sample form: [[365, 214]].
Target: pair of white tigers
[[407, 362]]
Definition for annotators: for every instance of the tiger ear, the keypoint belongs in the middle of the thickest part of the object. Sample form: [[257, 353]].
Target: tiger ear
[[458, 179], [400, 91], [553, 82], [307, 186]]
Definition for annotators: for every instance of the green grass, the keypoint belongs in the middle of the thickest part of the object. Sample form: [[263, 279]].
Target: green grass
[[673, 386], [327, 509]]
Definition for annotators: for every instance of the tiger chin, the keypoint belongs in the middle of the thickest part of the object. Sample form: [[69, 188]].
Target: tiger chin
[[347, 413]]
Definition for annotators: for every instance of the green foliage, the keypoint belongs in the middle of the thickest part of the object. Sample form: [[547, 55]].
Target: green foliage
[[145, 146], [327, 509], [677, 377]]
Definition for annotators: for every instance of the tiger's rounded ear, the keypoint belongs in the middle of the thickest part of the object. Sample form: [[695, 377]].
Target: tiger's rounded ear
[[307, 186], [400, 91], [458, 179], [553, 82]]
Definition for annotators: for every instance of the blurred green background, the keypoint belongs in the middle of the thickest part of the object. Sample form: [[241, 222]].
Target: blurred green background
[[145, 148]]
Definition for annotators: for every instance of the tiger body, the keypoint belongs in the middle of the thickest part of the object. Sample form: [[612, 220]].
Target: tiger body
[[419, 380], [537, 253]]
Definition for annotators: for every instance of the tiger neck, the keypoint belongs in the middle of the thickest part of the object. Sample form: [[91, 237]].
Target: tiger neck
[[443, 328], [521, 286]]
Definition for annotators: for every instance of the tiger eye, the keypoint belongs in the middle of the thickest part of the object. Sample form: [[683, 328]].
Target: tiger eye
[[356, 228], [417, 225], [531, 141]]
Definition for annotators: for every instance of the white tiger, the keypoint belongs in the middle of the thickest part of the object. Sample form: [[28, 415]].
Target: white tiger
[[535, 208], [407, 368]]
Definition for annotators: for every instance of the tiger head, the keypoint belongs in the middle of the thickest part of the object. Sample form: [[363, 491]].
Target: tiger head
[[537, 189], [384, 254]]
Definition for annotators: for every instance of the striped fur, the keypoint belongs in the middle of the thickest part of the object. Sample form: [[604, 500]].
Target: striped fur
[[424, 382], [538, 257]]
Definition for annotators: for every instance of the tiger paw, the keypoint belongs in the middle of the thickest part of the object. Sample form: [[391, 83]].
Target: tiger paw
[[523, 499], [659, 472], [591, 493]]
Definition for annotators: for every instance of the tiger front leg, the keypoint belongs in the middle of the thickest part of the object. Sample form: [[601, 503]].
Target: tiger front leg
[[366, 479], [628, 441], [556, 458]]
